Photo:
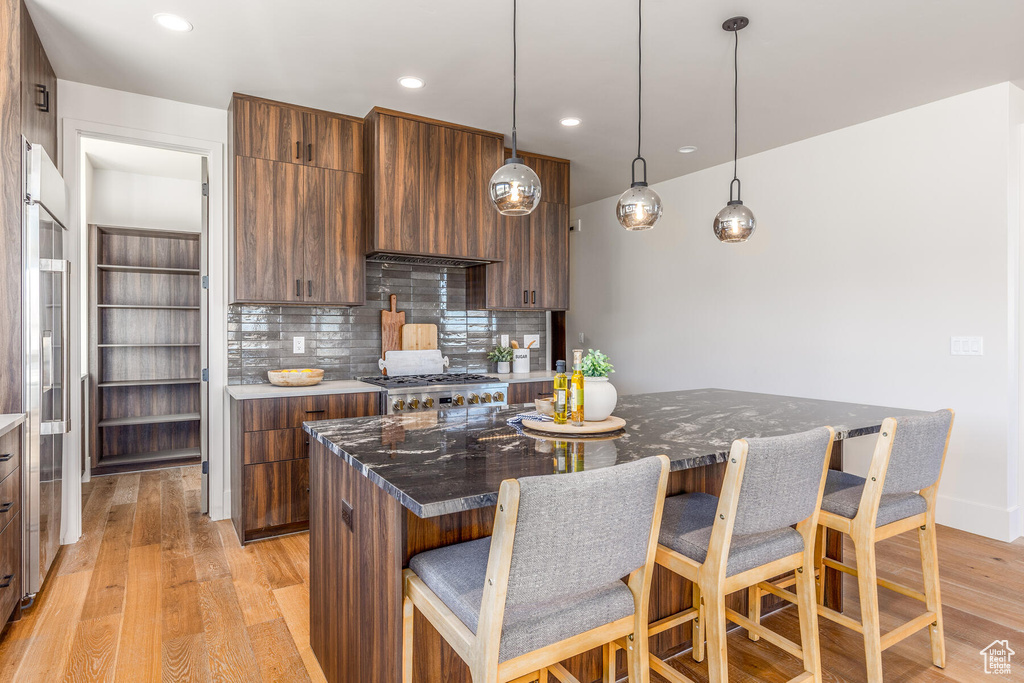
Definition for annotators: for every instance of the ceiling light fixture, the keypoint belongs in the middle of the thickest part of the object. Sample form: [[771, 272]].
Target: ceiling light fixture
[[570, 121], [735, 223], [687, 149], [411, 82], [639, 207], [172, 22], [515, 188]]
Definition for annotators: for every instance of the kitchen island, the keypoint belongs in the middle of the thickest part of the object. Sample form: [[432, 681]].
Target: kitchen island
[[385, 488]]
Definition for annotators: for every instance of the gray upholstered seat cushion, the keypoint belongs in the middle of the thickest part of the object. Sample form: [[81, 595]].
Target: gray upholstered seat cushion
[[686, 528], [456, 574], [842, 497]]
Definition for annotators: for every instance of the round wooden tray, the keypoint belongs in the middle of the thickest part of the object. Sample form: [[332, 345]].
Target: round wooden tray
[[303, 378], [611, 424]]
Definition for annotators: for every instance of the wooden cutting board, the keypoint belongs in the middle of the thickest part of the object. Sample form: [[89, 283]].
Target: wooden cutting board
[[611, 424], [419, 337], [391, 328]]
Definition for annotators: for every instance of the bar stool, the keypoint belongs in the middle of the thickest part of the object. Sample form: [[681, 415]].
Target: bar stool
[[547, 584], [908, 459], [729, 543]]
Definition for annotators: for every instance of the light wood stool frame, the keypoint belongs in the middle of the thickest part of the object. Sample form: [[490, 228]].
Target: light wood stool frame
[[480, 650], [711, 586], [864, 534]]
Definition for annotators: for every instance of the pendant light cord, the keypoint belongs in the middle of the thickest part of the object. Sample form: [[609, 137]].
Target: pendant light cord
[[639, 75], [735, 103], [515, 77]]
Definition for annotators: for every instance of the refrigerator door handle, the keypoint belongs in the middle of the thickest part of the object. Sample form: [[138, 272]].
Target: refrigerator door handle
[[63, 425], [47, 358]]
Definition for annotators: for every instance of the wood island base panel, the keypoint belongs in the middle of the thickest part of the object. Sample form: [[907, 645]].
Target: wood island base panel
[[385, 488]]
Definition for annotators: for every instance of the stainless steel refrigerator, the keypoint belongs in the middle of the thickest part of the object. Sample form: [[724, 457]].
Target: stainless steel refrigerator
[[47, 289]]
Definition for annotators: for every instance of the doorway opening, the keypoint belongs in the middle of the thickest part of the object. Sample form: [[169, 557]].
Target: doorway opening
[[145, 209]]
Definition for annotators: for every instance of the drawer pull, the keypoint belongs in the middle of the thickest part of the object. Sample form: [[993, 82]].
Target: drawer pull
[[6, 507], [7, 580], [313, 412], [6, 456]]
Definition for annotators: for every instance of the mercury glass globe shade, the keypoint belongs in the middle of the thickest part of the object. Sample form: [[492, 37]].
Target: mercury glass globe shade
[[734, 223], [515, 188], [639, 208]]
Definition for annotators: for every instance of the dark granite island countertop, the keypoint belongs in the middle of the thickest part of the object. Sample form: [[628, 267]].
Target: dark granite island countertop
[[438, 463]]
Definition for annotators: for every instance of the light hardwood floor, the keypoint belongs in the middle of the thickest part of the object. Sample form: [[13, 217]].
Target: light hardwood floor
[[154, 590]]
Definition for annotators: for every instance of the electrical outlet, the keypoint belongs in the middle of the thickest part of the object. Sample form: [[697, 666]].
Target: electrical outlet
[[298, 344], [576, 225], [535, 338], [504, 340], [967, 346], [583, 339]]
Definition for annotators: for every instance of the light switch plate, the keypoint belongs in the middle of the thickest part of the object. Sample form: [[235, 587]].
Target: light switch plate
[[967, 346], [583, 339], [504, 340], [535, 338], [298, 344]]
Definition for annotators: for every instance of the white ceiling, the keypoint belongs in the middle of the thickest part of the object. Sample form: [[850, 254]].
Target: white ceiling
[[108, 155], [806, 66]]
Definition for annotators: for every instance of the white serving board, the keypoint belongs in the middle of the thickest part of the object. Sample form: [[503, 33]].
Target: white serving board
[[423, 362]]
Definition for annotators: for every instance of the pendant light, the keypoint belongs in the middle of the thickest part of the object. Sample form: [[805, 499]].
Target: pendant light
[[515, 188], [735, 223], [639, 207]]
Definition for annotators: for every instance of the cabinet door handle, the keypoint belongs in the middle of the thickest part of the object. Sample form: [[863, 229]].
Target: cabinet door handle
[[298, 288], [7, 580], [309, 152], [43, 106], [310, 284], [314, 412], [298, 150], [6, 456], [526, 296], [533, 297], [6, 507]]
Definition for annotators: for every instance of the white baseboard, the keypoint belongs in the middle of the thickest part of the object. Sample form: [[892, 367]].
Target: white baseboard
[[985, 520]]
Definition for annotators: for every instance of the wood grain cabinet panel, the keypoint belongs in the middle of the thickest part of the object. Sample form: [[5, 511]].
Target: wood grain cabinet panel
[[38, 90], [10, 452], [335, 267], [527, 392], [277, 494], [399, 161], [268, 130], [278, 413], [10, 569], [268, 231], [10, 498], [553, 174], [549, 255], [333, 142], [344, 406]]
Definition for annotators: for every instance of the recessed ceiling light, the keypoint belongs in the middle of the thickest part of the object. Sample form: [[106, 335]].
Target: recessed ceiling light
[[411, 82], [687, 149], [570, 121], [172, 22]]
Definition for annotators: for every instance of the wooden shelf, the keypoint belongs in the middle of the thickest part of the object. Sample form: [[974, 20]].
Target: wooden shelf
[[146, 382], [146, 306], [143, 346], [148, 420], [147, 269], [170, 454]]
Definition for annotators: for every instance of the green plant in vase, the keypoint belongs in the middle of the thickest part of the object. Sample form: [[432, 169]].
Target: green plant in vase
[[502, 355], [601, 396], [596, 364]]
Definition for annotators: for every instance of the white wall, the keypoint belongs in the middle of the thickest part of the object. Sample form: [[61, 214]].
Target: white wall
[[145, 201], [90, 111], [874, 245]]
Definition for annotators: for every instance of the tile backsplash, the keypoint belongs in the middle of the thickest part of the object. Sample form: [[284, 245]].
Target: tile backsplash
[[345, 342]]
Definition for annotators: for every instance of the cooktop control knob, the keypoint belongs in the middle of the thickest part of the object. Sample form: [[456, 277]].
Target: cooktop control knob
[[414, 403], [428, 403], [458, 400], [474, 399], [399, 404], [498, 396], [486, 398]]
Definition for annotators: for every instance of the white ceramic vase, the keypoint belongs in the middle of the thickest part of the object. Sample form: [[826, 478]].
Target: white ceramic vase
[[599, 398], [504, 367]]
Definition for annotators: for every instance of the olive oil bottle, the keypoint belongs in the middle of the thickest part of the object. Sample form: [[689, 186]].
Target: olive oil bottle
[[561, 394], [576, 389]]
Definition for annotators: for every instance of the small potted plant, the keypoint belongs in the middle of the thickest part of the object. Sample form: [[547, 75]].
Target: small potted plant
[[502, 355], [599, 395]]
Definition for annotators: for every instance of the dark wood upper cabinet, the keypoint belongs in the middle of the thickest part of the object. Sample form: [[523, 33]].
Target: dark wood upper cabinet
[[267, 130], [38, 90], [298, 212], [429, 194], [549, 251], [269, 219], [553, 174]]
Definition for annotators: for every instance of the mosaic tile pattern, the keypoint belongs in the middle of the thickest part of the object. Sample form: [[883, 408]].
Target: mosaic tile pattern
[[345, 342]]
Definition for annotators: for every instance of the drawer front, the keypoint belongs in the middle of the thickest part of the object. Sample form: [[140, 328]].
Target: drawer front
[[276, 493], [279, 413], [10, 451], [342, 406], [10, 568], [526, 392], [274, 445], [10, 498]]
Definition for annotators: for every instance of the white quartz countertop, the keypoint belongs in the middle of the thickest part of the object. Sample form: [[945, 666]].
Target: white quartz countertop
[[9, 422], [341, 386], [515, 378]]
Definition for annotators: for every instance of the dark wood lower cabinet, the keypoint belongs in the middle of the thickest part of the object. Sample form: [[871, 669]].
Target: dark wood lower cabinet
[[527, 392], [10, 525], [270, 458]]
